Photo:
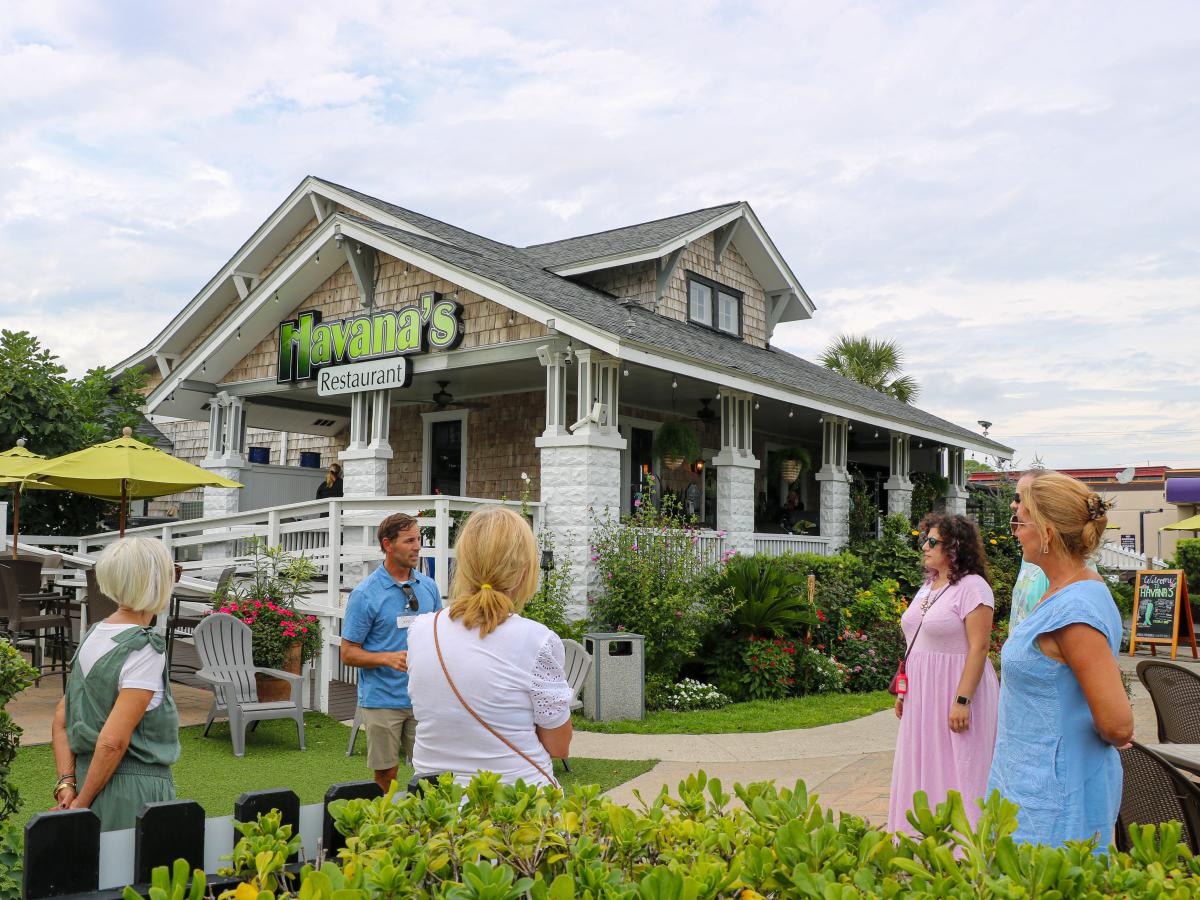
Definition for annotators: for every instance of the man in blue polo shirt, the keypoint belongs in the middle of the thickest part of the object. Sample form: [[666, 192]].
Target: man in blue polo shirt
[[375, 640]]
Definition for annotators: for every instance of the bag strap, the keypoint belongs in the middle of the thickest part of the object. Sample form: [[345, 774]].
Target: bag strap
[[919, 624], [438, 646]]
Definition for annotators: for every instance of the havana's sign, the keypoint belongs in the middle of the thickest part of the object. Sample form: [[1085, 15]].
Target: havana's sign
[[307, 345]]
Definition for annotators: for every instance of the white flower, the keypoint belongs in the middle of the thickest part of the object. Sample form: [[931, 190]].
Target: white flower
[[524, 476]]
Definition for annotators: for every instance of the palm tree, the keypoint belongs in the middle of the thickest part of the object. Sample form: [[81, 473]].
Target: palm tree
[[876, 364]]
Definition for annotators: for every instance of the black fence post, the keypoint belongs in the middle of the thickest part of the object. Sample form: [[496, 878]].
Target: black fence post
[[253, 803], [62, 853], [167, 831], [333, 840]]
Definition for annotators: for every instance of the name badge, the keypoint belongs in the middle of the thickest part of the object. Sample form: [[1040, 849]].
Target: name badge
[[405, 621]]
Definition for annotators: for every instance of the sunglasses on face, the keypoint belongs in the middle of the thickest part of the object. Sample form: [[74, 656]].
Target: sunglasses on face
[[413, 603], [931, 541], [1014, 523]]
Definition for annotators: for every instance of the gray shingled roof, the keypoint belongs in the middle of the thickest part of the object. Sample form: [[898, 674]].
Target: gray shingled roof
[[617, 241], [511, 268]]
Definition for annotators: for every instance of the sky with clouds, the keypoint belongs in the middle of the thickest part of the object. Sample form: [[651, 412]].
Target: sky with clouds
[[1008, 190]]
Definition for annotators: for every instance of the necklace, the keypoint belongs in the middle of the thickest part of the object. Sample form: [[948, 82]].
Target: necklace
[[931, 598]]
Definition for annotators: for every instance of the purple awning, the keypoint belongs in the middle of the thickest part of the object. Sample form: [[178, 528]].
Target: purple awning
[[1183, 490]]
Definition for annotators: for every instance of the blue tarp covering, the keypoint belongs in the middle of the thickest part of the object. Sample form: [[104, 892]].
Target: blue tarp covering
[[1183, 490]]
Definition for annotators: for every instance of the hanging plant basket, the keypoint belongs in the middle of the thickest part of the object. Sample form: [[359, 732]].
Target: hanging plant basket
[[676, 443], [791, 462]]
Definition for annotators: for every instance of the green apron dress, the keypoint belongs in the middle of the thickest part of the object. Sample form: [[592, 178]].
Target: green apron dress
[[144, 773]]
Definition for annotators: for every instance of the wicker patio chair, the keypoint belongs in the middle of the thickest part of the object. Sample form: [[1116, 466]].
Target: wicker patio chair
[[1155, 792], [1175, 691]]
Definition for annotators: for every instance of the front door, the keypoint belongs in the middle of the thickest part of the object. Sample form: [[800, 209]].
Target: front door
[[445, 458]]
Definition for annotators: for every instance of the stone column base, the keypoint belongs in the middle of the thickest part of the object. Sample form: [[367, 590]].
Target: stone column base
[[221, 501], [365, 472], [581, 486], [956, 501], [899, 496], [735, 500], [835, 505]]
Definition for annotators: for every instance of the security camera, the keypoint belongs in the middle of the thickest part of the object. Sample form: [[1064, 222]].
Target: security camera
[[985, 425], [596, 416]]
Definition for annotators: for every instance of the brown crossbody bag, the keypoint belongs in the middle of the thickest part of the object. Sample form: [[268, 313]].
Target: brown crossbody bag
[[438, 646]]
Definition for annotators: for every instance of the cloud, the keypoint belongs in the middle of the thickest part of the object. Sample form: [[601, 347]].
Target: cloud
[[993, 185]]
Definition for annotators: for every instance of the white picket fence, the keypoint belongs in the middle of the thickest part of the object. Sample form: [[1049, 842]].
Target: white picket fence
[[779, 544]]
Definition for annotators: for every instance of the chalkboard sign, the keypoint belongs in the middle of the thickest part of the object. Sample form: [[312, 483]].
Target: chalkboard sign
[[1161, 611]]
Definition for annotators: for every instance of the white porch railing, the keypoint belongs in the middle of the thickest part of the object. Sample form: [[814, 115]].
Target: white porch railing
[[778, 544], [1114, 556]]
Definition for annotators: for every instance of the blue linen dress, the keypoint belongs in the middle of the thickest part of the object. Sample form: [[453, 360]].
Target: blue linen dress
[[1049, 759]]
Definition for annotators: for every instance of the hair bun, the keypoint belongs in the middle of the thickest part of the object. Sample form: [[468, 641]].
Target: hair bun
[[1098, 507]]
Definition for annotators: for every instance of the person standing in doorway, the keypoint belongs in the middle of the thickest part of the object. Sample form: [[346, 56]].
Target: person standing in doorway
[[332, 485], [375, 640]]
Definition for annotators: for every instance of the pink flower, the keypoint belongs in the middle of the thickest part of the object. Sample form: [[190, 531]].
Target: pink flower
[[637, 502], [311, 618], [303, 630], [258, 604]]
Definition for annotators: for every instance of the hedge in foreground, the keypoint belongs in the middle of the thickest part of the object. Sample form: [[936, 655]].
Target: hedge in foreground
[[503, 843]]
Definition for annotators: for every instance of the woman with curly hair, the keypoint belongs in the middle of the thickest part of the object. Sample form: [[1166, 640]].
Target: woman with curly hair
[[948, 715]]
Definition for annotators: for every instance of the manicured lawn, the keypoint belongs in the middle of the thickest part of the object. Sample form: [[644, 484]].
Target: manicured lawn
[[757, 715], [210, 774]]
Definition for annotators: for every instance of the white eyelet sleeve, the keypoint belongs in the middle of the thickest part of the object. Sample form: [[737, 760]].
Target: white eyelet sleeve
[[548, 686]]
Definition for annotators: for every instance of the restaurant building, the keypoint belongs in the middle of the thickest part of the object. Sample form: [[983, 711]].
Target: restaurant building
[[428, 359]]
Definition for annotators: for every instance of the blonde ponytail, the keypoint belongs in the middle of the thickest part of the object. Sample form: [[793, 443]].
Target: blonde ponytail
[[495, 571]]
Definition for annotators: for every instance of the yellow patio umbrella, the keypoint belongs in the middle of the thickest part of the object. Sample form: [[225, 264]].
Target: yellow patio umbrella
[[126, 469], [16, 464], [1192, 524]]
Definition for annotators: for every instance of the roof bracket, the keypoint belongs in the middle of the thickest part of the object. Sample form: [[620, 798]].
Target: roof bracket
[[722, 237], [362, 260], [245, 282], [320, 208], [779, 301], [664, 268]]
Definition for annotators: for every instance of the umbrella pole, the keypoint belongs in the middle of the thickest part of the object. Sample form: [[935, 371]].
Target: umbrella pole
[[123, 499], [16, 517]]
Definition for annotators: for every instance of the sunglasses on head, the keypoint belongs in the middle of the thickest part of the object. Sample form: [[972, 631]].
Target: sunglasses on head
[[413, 603], [931, 541]]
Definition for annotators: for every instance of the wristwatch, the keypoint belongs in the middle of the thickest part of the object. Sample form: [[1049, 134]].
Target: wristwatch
[[962, 701]]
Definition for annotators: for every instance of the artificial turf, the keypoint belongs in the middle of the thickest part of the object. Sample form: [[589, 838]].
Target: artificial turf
[[210, 774]]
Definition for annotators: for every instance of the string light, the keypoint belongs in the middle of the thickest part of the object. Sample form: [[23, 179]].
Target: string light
[[756, 404], [791, 412], [876, 432], [317, 259], [674, 384]]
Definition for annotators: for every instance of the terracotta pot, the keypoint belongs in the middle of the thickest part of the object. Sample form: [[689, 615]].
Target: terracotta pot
[[271, 688]]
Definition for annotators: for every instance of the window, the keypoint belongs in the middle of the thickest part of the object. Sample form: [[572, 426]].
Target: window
[[700, 302], [714, 305]]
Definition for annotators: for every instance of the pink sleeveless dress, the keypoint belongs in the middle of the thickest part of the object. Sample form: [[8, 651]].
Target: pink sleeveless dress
[[929, 756]]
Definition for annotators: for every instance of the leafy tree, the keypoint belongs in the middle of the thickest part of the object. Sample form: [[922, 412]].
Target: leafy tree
[[56, 415], [875, 364], [971, 466]]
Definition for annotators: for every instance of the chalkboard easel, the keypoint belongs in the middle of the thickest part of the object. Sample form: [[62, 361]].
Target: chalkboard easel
[[1162, 612]]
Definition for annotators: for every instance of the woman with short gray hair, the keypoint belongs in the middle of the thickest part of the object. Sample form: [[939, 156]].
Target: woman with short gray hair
[[116, 731]]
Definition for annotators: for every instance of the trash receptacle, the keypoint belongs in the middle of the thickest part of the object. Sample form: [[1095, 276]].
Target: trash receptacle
[[616, 687]]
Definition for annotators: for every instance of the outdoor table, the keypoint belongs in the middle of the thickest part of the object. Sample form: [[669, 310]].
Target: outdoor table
[[1185, 756]]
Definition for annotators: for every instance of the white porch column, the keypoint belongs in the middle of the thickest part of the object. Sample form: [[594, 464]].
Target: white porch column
[[835, 481], [581, 471], [956, 493], [365, 459], [899, 487], [226, 453], [735, 465]]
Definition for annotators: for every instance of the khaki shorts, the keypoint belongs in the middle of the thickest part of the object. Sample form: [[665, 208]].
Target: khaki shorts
[[388, 732]]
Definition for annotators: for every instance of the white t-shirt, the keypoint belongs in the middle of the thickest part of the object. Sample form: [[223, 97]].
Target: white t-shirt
[[143, 669], [513, 679]]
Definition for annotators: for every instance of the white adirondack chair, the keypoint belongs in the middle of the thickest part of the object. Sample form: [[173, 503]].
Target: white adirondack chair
[[578, 666], [226, 665]]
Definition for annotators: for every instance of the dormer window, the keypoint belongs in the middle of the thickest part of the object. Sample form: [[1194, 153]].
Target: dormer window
[[714, 305]]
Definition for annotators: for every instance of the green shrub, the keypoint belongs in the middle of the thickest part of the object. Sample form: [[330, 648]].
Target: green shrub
[[893, 555], [691, 694], [655, 584], [871, 656], [768, 668], [15, 676], [845, 566], [1122, 594], [818, 673], [928, 489], [12, 858], [1187, 557], [768, 597]]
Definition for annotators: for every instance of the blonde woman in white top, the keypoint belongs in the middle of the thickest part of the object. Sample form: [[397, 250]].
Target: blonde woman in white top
[[507, 669]]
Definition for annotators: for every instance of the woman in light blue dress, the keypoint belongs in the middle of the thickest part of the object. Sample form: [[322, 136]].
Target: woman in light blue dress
[[1063, 708]]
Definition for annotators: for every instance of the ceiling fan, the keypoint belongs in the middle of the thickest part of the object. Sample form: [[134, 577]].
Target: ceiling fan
[[444, 398], [704, 414]]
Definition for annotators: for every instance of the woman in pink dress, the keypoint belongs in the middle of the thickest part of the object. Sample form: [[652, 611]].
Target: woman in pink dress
[[948, 716]]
